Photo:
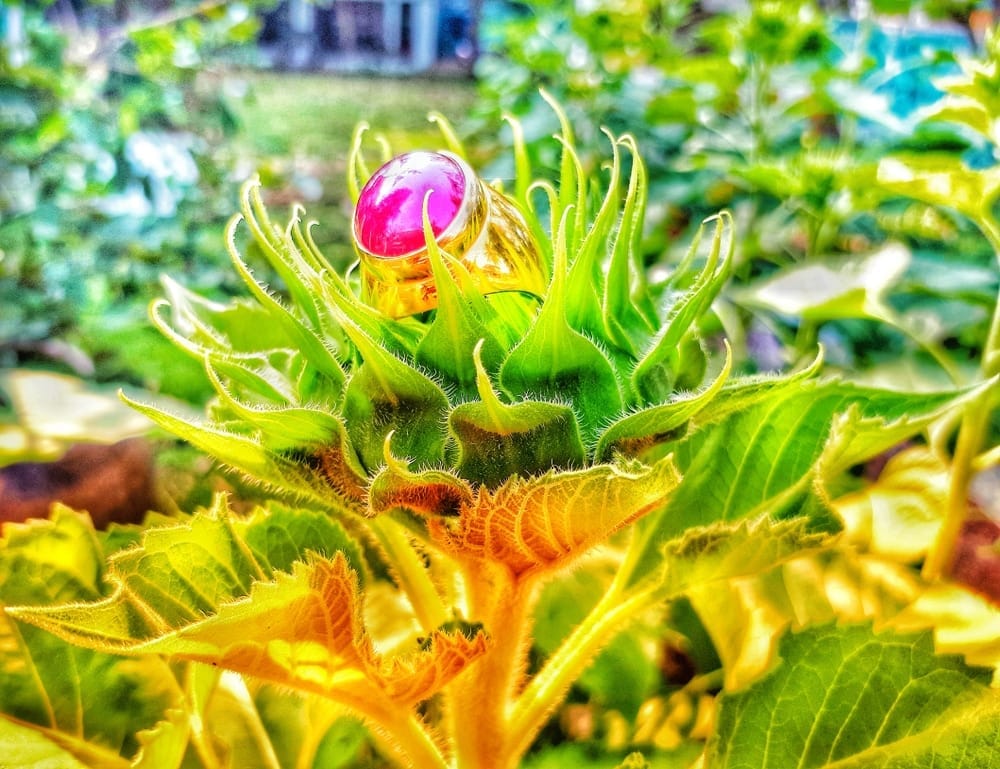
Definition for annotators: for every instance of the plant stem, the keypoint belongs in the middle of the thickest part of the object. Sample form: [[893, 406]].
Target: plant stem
[[971, 434], [197, 692], [237, 687], [411, 573], [970, 438], [399, 731], [480, 702], [421, 752], [546, 689]]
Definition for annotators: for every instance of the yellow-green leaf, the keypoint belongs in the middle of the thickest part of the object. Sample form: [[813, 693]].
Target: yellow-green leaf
[[536, 525], [899, 514], [91, 704]]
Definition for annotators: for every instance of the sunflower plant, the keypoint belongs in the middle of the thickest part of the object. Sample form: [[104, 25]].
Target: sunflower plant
[[438, 482]]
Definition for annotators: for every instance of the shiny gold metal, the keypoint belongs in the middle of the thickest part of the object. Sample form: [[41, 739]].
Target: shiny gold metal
[[488, 236]]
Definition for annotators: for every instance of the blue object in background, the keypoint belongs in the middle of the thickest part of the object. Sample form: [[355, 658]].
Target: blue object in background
[[907, 60]]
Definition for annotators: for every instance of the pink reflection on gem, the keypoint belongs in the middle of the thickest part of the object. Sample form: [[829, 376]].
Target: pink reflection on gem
[[388, 217]]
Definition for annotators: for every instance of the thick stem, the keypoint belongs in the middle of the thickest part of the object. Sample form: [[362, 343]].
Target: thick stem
[[419, 749], [481, 700]]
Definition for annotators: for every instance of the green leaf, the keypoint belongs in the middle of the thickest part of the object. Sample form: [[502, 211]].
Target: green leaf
[[942, 180], [186, 571], [751, 454], [89, 703], [844, 696], [25, 748], [708, 554], [302, 629], [837, 288], [497, 440]]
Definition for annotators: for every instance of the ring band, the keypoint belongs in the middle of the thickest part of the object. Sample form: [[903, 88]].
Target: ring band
[[471, 221]]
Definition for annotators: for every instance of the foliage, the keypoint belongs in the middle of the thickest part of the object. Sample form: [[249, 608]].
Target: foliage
[[471, 505], [781, 112], [111, 171]]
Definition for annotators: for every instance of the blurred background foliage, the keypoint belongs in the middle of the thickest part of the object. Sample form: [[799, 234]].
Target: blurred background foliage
[[781, 112], [116, 165]]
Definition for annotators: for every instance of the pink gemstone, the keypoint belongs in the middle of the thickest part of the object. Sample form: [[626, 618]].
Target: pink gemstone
[[389, 215]]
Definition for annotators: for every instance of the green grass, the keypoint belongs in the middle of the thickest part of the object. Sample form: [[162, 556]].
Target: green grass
[[299, 127]]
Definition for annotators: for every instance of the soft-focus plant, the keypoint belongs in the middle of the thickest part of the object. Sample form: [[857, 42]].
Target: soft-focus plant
[[779, 111], [111, 169], [476, 501], [973, 192]]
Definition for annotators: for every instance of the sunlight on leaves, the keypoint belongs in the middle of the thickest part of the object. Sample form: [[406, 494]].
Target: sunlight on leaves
[[745, 616], [705, 555], [92, 704], [274, 596], [53, 411], [748, 454], [900, 514], [942, 180], [534, 525], [845, 696], [836, 288], [31, 749], [964, 623]]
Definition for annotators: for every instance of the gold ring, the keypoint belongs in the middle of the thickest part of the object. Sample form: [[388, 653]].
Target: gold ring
[[471, 221]]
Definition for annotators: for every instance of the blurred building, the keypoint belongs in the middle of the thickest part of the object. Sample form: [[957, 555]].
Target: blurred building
[[385, 36]]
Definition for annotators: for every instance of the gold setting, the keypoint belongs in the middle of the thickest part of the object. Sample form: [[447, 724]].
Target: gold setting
[[488, 236]]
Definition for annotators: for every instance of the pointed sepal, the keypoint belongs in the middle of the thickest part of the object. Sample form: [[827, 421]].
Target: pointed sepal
[[640, 432], [460, 322], [387, 395], [498, 440], [555, 362], [676, 361]]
